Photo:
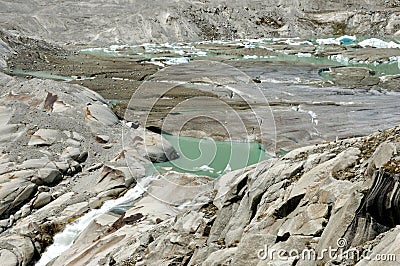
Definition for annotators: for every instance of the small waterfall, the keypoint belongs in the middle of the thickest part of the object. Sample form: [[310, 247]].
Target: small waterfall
[[64, 240]]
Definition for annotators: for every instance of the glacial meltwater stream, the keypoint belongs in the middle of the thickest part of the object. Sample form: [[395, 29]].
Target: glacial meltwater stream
[[64, 239]]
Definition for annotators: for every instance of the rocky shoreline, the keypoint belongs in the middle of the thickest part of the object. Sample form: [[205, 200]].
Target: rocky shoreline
[[307, 200]]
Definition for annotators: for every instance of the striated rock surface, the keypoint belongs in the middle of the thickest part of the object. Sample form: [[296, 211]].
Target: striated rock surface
[[340, 195], [53, 169]]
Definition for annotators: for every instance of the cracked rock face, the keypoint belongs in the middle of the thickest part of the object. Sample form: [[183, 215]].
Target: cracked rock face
[[294, 202], [52, 167]]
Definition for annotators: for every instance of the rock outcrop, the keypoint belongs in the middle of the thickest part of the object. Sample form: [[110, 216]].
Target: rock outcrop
[[341, 195], [53, 168], [4, 52]]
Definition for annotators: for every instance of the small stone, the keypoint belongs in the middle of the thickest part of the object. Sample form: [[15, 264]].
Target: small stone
[[102, 138], [71, 153], [43, 189], [102, 114], [4, 223], [67, 133], [44, 137], [47, 176], [18, 215], [77, 136], [25, 210], [73, 142], [11, 220], [57, 194], [82, 157], [74, 167], [107, 146], [41, 200], [94, 167], [62, 166]]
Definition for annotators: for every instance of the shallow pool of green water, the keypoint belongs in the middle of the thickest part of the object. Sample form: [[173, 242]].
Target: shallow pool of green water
[[208, 157]]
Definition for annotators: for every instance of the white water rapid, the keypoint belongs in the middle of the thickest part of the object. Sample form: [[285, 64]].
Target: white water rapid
[[64, 239]]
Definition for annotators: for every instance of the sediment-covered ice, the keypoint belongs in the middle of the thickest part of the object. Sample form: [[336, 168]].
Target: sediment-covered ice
[[338, 41], [177, 61], [328, 41], [378, 43]]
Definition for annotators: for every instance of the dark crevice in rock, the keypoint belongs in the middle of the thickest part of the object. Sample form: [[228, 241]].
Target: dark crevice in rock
[[319, 232], [363, 229], [297, 173], [106, 171], [254, 205], [329, 213], [157, 130], [234, 199], [209, 210], [241, 186], [181, 260], [11, 210], [383, 200], [288, 206], [36, 251], [207, 228], [295, 261], [240, 190], [151, 239], [282, 238], [122, 221], [379, 210], [144, 77], [187, 259]]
